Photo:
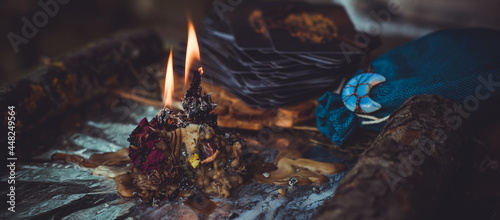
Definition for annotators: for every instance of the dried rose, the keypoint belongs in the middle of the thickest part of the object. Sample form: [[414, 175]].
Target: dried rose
[[154, 160], [141, 129], [208, 147]]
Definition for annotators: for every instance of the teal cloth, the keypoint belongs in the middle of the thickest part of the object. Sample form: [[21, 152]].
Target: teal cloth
[[451, 63]]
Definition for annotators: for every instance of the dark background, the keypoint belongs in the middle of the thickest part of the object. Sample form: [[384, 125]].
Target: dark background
[[82, 21]]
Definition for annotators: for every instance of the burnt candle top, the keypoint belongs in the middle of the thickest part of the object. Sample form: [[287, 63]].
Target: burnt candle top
[[198, 106]]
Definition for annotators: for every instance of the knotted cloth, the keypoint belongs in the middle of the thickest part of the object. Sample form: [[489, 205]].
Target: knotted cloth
[[461, 64]]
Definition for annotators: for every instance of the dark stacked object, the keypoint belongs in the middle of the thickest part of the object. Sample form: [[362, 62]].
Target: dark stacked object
[[276, 54]]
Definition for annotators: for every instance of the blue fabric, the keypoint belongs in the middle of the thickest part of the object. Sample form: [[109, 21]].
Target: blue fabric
[[447, 63]]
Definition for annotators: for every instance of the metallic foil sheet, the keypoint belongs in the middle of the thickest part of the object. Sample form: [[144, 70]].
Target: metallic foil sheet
[[47, 189]]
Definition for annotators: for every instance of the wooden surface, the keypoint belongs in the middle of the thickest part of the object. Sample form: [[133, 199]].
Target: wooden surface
[[234, 113], [405, 173]]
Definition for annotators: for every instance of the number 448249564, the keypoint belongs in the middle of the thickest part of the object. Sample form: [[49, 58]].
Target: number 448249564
[[11, 122]]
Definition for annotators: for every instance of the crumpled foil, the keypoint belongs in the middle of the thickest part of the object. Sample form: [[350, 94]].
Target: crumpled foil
[[47, 189]]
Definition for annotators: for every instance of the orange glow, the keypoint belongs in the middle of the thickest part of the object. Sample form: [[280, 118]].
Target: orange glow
[[192, 50], [169, 83]]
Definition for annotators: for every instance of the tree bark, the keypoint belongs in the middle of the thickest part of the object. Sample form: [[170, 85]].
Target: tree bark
[[406, 171], [68, 81]]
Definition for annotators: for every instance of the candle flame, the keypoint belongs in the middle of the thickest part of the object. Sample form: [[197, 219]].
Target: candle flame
[[192, 50], [169, 83]]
